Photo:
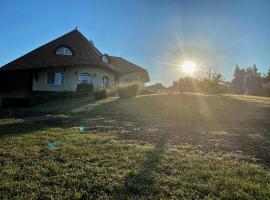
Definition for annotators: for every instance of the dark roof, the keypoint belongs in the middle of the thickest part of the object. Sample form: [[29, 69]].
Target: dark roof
[[124, 67], [84, 53]]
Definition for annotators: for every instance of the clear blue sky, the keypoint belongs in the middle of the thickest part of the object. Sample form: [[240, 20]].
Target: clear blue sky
[[157, 35]]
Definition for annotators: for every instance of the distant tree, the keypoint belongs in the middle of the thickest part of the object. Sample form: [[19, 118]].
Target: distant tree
[[266, 84], [209, 73], [217, 78], [245, 81], [266, 77], [253, 81], [174, 83], [238, 80], [213, 84]]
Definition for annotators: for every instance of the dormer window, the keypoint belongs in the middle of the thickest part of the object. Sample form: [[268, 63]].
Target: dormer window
[[105, 59], [64, 51]]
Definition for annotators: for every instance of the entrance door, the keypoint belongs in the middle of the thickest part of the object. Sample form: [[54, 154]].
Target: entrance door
[[85, 78]]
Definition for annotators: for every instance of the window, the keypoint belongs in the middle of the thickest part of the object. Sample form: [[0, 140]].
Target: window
[[105, 81], [55, 77], [35, 76], [105, 59], [64, 51], [85, 78]]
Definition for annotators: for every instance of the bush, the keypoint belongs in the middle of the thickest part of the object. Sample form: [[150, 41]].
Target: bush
[[128, 90], [112, 93], [101, 93], [85, 88]]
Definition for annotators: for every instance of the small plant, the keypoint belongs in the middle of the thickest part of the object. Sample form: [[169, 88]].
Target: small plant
[[101, 93], [128, 90]]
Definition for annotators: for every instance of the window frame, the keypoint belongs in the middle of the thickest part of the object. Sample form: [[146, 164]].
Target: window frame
[[105, 59], [56, 71], [65, 48], [107, 85]]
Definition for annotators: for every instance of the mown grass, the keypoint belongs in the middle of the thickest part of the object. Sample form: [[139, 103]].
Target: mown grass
[[149, 147]]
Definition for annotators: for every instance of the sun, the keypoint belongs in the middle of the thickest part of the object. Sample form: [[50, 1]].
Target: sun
[[189, 67]]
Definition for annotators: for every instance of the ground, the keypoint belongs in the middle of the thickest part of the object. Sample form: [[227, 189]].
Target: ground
[[166, 146]]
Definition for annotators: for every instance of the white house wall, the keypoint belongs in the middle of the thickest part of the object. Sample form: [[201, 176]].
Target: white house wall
[[71, 75]]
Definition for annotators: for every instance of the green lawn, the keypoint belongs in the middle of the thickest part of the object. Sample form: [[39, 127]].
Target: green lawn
[[163, 146]]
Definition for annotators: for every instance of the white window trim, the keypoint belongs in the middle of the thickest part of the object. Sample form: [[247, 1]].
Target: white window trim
[[105, 59], [64, 51], [108, 83], [90, 75], [53, 84]]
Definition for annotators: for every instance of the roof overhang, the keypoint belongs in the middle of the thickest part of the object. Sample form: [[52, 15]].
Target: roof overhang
[[123, 67], [33, 68]]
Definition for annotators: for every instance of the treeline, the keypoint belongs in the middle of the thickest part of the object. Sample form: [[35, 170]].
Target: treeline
[[247, 81], [212, 85], [250, 81]]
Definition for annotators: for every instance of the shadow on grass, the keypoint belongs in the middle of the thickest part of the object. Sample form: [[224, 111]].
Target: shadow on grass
[[51, 115], [29, 125], [199, 122], [48, 108], [142, 182], [247, 122]]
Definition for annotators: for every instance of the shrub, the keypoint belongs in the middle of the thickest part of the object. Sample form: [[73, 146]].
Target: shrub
[[101, 93], [112, 93], [128, 90], [85, 88]]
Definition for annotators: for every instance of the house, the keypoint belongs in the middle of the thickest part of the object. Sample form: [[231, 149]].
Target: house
[[64, 63], [157, 87]]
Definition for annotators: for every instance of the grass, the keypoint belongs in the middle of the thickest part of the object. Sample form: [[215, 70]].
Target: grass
[[163, 146]]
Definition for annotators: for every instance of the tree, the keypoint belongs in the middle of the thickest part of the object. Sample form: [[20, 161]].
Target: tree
[[247, 81], [253, 81], [174, 83], [266, 77], [238, 80], [217, 78]]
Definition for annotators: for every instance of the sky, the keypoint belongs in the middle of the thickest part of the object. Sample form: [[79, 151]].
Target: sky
[[158, 35]]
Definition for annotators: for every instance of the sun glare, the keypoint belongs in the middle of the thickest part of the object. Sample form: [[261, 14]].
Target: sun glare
[[188, 67]]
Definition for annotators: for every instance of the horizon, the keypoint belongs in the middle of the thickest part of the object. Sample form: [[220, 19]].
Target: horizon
[[158, 36]]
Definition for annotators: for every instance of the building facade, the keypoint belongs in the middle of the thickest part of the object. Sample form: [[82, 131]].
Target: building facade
[[64, 63]]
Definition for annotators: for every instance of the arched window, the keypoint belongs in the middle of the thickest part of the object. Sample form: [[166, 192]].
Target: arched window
[[105, 59], [64, 51], [85, 78], [105, 81]]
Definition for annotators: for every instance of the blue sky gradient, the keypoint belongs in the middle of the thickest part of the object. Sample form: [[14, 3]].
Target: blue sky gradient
[[157, 35]]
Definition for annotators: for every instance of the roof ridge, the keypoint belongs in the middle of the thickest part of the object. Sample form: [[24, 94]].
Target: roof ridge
[[92, 45]]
